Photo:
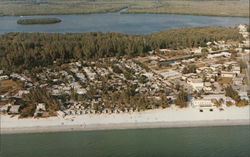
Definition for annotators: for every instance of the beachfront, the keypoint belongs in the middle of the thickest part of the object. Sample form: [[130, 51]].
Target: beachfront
[[170, 117]]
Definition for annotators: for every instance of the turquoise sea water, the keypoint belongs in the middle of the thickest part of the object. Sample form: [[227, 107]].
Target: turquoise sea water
[[233, 141]]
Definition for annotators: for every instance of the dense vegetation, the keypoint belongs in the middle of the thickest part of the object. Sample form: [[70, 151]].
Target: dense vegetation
[[194, 7], [37, 95], [182, 99], [230, 92], [20, 51], [38, 21], [200, 7], [52, 7], [189, 69]]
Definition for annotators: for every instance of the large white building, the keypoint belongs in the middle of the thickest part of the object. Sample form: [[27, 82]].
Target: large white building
[[208, 100], [202, 103]]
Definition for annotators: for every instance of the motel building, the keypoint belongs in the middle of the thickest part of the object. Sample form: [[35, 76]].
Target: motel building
[[207, 102], [203, 104]]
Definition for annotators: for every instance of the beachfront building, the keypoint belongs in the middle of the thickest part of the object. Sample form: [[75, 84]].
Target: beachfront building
[[201, 102], [209, 101], [5, 108], [40, 110], [41, 107], [61, 114], [14, 109]]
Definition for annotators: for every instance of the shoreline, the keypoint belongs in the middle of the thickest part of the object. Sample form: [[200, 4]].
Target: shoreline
[[170, 13], [125, 12], [159, 118], [125, 126]]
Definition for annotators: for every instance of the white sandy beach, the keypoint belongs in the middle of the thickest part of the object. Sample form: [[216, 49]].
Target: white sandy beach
[[170, 117]]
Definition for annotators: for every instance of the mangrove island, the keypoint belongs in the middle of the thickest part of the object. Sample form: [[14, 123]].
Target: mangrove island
[[38, 21]]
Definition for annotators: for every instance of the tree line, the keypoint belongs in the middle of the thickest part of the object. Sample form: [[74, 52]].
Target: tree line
[[19, 51]]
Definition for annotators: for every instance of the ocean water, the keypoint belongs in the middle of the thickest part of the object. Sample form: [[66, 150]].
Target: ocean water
[[230, 141], [116, 22]]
